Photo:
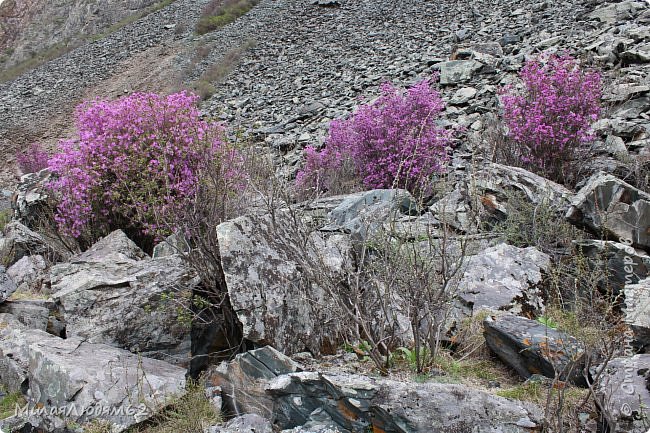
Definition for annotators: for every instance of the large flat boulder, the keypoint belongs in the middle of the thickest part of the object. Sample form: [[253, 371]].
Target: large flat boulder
[[89, 381], [613, 208], [115, 294]]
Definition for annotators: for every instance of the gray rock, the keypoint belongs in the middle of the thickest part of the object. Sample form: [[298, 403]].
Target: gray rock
[[624, 391], [20, 241], [27, 271], [243, 380], [504, 278], [613, 208], [463, 95], [637, 311], [32, 198], [36, 314], [172, 245], [82, 377], [363, 214], [277, 301], [615, 12], [249, 423], [531, 347], [623, 264], [455, 210], [354, 403], [458, 71], [115, 294], [7, 285], [499, 179]]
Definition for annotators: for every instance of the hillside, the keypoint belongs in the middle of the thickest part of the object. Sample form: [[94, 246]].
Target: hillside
[[320, 251]]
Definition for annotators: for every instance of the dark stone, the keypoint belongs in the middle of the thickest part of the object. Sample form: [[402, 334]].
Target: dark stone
[[531, 347]]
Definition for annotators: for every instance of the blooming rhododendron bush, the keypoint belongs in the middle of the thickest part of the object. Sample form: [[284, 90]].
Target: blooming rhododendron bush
[[549, 120], [135, 163], [391, 142]]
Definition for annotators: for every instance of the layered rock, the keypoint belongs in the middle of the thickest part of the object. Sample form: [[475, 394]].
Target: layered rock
[[531, 347], [115, 294], [88, 381], [613, 208]]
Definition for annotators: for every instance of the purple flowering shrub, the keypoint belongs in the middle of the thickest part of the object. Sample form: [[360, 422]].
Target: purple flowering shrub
[[135, 163], [391, 142], [32, 159], [549, 121]]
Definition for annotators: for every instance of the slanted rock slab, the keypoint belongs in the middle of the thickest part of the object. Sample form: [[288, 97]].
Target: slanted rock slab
[[531, 347]]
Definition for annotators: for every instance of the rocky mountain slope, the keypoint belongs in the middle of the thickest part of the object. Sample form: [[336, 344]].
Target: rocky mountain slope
[[545, 267], [30, 27]]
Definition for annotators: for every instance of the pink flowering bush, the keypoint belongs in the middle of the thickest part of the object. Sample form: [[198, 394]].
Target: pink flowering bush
[[32, 159], [135, 162], [392, 142], [550, 120]]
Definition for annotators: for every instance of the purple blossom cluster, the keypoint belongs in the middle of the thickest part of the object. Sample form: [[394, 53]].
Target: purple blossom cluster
[[32, 159], [551, 118], [391, 142], [134, 160]]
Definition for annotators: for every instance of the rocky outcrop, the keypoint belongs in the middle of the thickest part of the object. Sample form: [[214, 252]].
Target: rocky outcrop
[[36, 314], [115, 294], [625, 395], [243, 381], [28, 273], [90, 381], [531, 347], [613, 208], [502, 180]]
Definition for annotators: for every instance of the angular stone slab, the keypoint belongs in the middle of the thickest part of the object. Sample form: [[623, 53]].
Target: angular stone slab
[[613, 208], [276, 300], [115, 294], [505, 278], [85, 378], [531, 347], [243, 380]]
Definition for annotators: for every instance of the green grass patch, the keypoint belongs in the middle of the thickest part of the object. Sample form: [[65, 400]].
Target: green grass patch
[[8, 404], [218, 13], [5, 218], [191, 413]]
